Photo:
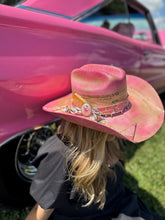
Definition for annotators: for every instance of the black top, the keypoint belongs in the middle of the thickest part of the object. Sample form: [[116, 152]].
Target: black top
[[51, 188]]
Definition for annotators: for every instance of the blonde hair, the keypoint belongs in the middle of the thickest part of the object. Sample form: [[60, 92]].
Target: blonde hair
[[92, 153]]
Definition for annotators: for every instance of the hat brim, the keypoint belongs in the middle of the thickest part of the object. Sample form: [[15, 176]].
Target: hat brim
[[139, 123]]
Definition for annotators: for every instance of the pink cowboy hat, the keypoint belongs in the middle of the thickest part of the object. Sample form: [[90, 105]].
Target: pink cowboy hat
[[105, 99]]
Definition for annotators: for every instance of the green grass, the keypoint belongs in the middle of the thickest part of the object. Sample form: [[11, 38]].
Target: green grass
[[145, 174], [13, 214], [145, 171]]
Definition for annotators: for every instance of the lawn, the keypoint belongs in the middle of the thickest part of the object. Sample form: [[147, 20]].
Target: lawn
[[145, 171], [145, 174]]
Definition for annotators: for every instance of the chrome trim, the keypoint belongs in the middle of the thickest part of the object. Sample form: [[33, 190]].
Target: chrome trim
[[26, 131], [78, 17], [43, 11], [92, 10]]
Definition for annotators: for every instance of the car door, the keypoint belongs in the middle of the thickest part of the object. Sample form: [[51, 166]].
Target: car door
[[153, 65]]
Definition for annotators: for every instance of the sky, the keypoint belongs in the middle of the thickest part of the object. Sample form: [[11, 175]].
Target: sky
[[157, 9]]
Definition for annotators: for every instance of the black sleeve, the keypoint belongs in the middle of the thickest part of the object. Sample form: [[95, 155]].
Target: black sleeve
[[48, 182]]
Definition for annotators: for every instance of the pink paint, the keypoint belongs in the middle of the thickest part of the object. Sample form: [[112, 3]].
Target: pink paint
[[39, 51], [162, 37], [72, 9]]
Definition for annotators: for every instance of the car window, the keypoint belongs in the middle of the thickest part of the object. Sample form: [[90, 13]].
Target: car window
[[10, 2], [119, 17]]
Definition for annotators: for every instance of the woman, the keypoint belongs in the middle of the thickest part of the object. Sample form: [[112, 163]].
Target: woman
[[80, 170]]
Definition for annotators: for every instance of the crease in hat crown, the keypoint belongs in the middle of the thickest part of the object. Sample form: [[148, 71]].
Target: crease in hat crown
[[100, 85]]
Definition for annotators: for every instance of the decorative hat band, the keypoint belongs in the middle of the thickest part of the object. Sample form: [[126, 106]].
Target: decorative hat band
[[81, 107], [103, 100]]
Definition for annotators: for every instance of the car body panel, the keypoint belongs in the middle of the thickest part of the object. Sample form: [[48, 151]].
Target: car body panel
[[162, 37], [38, 53], [153, 62], [72, 9]]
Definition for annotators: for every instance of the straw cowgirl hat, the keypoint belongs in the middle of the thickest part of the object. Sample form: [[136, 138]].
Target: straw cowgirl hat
[[105, 99]]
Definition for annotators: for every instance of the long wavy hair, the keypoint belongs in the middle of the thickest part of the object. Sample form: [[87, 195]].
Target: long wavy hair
[[92, 156]]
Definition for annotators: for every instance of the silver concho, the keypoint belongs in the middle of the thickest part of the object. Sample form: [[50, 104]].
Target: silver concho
[[86, 109]]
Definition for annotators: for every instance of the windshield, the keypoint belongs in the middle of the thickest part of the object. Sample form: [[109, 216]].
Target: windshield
[[138, 20], [157, 9], [123, 19]]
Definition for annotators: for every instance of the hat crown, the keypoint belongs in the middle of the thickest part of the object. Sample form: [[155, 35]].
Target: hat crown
[[100, 81], [95, 103]]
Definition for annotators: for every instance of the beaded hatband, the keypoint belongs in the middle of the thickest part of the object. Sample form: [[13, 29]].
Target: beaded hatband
[[81, 107]]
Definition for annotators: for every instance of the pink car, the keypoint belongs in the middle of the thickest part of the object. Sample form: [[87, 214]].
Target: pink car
[[41, 43]]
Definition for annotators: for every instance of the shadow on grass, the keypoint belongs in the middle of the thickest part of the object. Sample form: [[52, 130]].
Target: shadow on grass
[[130, 150], [152, 203]]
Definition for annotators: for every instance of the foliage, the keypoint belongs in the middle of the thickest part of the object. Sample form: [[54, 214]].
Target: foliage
[[14, 214]]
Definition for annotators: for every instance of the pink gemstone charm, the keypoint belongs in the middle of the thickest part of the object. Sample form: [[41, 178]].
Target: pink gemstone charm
[[86, 109]]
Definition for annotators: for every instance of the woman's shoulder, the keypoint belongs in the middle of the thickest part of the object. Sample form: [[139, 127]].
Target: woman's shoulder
[[51, 149], [53, 144]]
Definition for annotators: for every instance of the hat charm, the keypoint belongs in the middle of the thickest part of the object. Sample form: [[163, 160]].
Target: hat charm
[[81, 107], [86, 109]]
